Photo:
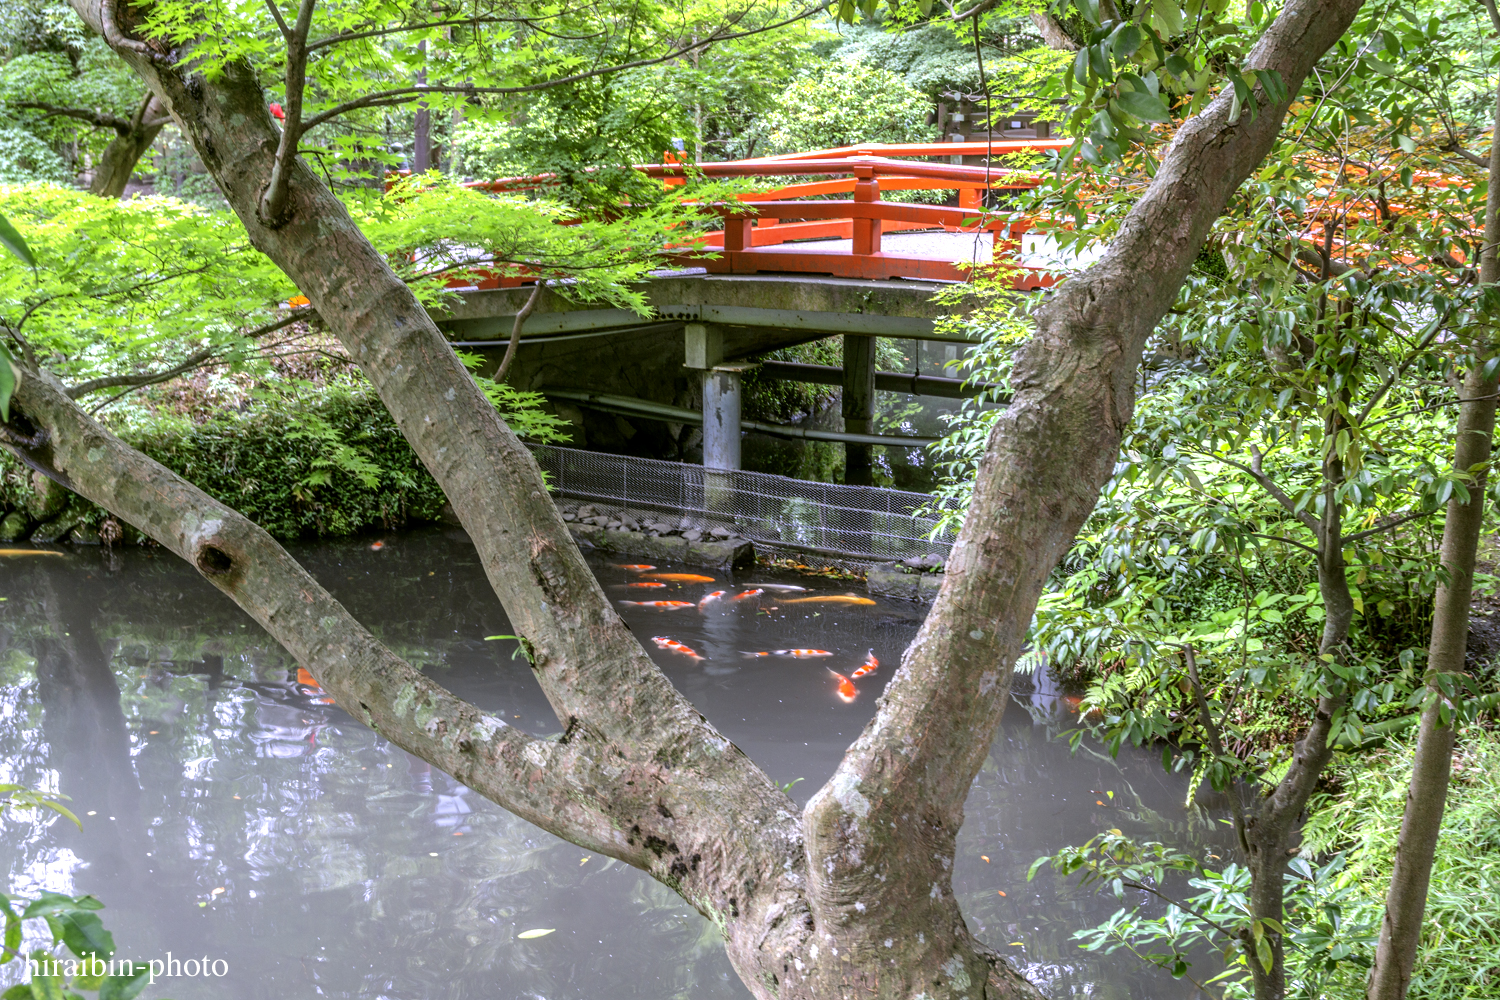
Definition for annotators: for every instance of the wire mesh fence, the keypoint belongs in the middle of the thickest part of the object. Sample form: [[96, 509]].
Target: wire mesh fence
[[858, 522]]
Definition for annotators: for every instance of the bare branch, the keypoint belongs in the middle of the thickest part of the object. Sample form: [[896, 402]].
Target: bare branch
[[1269, 485], [515, 330], [273, 202], [98, 119], [138, 381], [1394, 524]]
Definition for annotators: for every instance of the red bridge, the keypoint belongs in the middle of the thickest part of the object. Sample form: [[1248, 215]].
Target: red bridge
[[772, 231]]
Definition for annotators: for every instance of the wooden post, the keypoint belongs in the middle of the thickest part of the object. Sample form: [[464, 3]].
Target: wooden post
[[866, 231], [858, 405]]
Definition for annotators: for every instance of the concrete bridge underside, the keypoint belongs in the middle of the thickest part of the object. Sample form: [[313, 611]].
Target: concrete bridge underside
[[682, 364]]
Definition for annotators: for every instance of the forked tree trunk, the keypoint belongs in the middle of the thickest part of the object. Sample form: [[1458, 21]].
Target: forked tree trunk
[[853, 898], [1427, 793], [117, 163]]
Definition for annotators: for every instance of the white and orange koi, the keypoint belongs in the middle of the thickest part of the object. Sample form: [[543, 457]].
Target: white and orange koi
[[747, 595], [868, 667], [710, 599], [661, 605], [664, 642], [846, 690], [776, 586], [634, 567], [641, 586], [801, 654]]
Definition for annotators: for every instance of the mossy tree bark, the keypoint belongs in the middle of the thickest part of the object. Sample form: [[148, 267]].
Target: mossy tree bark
[[853, 897]]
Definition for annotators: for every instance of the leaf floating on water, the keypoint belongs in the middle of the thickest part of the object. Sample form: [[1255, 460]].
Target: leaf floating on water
[[535, 932], [582, 862]]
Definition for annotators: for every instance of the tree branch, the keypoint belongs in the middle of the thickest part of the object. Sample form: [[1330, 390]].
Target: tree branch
[[98, 119], [1074, 396], [1269, 485], [401, 95], [1387, 527], [532, 777], [515, 330], [273, 202], [138, 381]]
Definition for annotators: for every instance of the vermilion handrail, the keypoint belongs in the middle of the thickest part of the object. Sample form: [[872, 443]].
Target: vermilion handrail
[[759, 225]]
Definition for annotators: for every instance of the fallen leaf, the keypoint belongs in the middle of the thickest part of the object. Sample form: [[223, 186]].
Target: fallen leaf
[[1098, 802], [583, 862], [985, 858], [535, 932], [1018, 944], [217, 891]]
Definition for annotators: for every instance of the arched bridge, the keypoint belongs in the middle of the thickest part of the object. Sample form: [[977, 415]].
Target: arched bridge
[[791, 265]]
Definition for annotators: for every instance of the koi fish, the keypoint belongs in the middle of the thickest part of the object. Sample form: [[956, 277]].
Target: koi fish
[[306, 679], [801, 654], [634, 567], [830, 599], [661, 605], [847, 691], [747, 594], [683, 577], [677, 647], [28, 552], [776, 586], [640, 586], [376, 546], [868, 667], [709, 599]]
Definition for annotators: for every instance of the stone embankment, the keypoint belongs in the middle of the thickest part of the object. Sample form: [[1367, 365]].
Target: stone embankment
[[657, 537], [916, 579]]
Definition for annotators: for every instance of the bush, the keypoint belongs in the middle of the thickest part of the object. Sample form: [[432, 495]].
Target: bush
[[328, 462]]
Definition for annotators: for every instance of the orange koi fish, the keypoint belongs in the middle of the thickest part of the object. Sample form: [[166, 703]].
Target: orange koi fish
[[800, 654], [376, 546], [747, 595], [709, 599], [306, 679], [847, 691], [634, 567], [682, 577], [661, 605], [869, 667], [641, 586], [28, 552], [677, 647], [830, 599]]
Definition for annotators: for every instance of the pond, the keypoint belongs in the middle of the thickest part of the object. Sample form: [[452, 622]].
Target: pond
[[230, 812]]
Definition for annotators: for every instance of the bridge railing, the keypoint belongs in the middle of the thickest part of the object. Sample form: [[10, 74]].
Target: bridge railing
[[760, 225]]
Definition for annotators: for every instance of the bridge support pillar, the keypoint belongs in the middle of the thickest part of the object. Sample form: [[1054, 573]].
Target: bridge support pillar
[[858, 406], [703, 350], [721, 418]]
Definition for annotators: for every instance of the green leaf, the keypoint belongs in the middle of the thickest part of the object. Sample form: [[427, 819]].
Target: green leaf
[[20, 991], [925, 7], [9, 377], [1144, 106], [1127, 40], [126, 987], [1168, 16], [46, 987], [15, 243], [84, 934]]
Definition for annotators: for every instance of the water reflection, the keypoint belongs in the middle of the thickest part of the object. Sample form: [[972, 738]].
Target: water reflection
[[229, 811]]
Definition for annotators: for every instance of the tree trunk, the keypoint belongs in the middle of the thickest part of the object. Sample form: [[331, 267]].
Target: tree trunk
[[1427, 794], [1052, 32], [117, 162], [854, 898]]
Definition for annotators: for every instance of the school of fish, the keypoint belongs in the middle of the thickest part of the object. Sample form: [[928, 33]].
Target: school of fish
[[844, 689]]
